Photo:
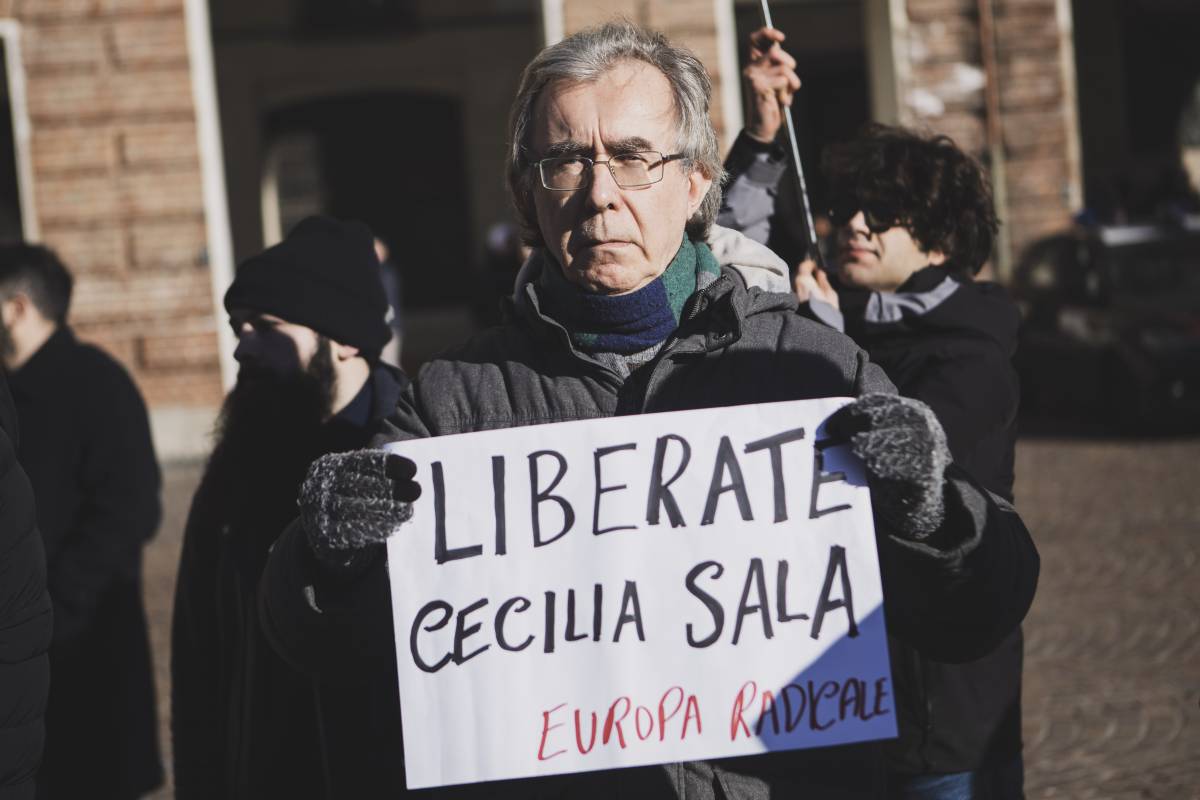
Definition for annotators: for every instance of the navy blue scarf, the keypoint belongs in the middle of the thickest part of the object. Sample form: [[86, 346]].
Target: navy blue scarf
[[628, 323]]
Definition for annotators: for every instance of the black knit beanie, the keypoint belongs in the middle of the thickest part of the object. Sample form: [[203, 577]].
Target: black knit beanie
[[325, 275]]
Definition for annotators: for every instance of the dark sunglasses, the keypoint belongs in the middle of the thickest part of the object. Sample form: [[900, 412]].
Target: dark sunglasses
[[879, 219]]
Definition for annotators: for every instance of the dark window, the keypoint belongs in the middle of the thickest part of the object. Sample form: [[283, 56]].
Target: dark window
[[395, 161]]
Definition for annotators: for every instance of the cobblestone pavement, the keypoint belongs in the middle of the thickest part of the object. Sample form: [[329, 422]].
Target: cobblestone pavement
[[1112, 674]]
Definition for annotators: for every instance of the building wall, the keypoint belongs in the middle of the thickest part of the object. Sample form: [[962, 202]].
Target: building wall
[[260, 74], [943, 88], [117, 192], [117, 173], [927, 69]]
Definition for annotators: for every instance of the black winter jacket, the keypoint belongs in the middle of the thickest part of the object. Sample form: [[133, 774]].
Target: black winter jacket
[[26, 621], [245, 724], [949, 343], [86, 446], [735, 345]]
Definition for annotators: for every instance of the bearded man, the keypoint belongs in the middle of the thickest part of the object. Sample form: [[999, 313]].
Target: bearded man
[[309, 315], [632, 303]]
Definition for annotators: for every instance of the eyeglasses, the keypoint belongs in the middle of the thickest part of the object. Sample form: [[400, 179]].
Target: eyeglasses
[[629, 170], [878, 218]]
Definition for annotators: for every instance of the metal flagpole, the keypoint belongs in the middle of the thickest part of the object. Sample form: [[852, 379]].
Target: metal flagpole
[[810, 232]]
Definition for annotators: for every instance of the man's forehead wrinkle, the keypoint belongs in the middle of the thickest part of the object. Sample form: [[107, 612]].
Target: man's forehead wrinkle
[[553, 126], [630, 77]]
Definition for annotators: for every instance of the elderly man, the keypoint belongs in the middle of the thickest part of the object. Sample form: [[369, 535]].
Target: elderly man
[[624, 308]]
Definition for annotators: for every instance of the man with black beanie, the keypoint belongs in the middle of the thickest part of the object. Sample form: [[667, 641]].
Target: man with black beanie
[[309, 314]]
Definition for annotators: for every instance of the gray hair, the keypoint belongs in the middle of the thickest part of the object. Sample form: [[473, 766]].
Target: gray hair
[[585, 57]]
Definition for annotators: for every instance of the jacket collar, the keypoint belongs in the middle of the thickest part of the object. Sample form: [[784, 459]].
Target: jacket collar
[[925, 290], [712, 318], [46, 362], [347, 429], [387, 384], [933, 299], [757, 264]]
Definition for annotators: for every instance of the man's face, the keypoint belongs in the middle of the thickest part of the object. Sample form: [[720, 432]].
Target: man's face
[[883, 261], [607, 239], [272, 423], [266, 342]]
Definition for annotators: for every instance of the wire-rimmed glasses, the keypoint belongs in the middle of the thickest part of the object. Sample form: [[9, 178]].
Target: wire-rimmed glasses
[[628, 170]]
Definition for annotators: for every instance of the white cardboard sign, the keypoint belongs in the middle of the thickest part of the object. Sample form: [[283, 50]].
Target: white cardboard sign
[[636, 590]]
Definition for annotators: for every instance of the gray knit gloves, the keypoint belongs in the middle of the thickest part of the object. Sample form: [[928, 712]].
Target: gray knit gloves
[[350, 501], [903, 447]]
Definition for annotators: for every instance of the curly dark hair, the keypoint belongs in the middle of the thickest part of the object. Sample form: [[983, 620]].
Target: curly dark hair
[[925, 183]]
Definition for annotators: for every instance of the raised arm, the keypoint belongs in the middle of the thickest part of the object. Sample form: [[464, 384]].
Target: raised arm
[[756, 164]]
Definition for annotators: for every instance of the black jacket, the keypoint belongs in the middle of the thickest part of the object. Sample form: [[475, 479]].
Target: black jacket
[[949, 343], [86, 446], [26, 620], [955, 354], [736, 345], [245, 724]]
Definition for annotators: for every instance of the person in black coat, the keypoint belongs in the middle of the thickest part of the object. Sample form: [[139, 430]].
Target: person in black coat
[[86, 447], [915, 224], [26, 620], [309, 315]]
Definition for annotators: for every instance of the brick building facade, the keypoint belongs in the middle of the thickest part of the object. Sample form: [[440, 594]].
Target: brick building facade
[[930, 69], [1028, 135], [119, 179], [117, 191]]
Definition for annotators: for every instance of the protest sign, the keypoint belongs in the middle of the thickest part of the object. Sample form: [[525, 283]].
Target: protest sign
[[636, 590]]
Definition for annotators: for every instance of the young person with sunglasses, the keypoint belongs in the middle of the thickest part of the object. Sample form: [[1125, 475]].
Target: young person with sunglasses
[[914, 225]]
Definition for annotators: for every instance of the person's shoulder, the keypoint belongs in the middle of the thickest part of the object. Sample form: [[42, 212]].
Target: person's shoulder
[[777, 314], [101, 364], [492, 346], [986, 309], [101, 377], [989, 292]]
